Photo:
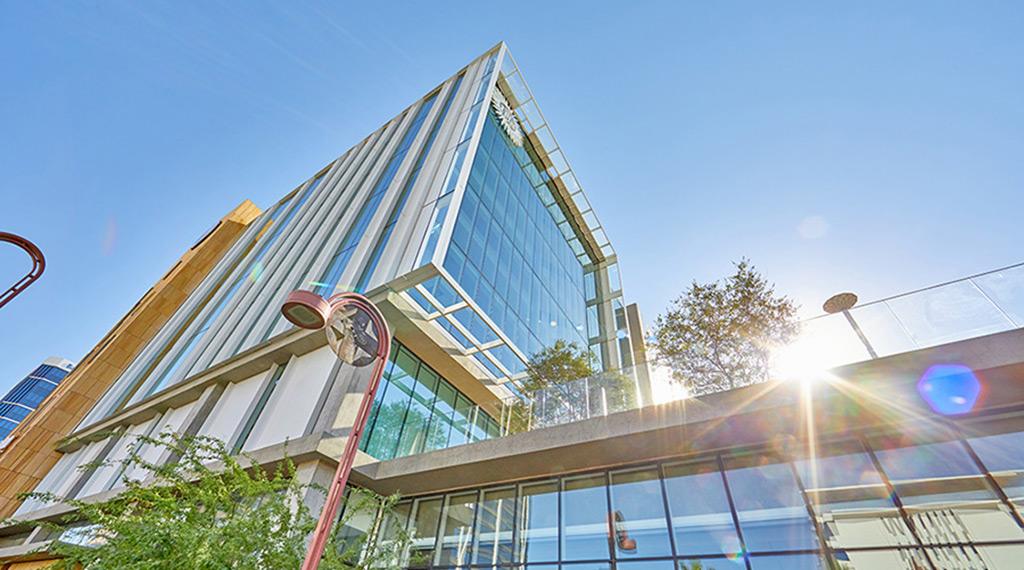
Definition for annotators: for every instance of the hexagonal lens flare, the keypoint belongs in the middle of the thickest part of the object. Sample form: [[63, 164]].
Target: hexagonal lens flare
[[950, 389]]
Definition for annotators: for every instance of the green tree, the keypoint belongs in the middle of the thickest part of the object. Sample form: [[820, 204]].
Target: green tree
[[559, 363], [206, 510], [718, 336]]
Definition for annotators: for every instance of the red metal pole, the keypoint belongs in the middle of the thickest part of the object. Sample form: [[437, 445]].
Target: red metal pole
[[330, 511], [38, 265]]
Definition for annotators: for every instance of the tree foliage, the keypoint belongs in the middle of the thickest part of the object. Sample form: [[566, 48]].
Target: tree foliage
[[559, 363], [718, 336], [207, 510]]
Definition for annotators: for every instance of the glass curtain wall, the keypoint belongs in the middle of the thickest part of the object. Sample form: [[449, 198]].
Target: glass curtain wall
[[510, 256], [416, 410], [889, 502]]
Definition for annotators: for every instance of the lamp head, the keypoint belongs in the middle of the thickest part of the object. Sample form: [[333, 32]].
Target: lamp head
[[306, 310]]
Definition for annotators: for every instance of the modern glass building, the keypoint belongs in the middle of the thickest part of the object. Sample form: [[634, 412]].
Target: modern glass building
[[463, 221], [30, 392]]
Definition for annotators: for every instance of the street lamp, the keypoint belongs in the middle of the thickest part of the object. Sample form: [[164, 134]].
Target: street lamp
[[359, 336]]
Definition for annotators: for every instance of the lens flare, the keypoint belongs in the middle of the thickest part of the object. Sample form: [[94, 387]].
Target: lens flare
[[950, 389]]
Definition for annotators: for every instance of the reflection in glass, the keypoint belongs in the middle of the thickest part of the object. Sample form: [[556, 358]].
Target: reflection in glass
[[851, 500], [787, 562], [494, 527], [538, 523], [584, 518], [701, 519], [769, 505], [1003, 456], [645, 565], [456, 529], [730, 563], [945, 494], [904, 559], [1003, 557], [638, 512], [423, 531], [358, 514]]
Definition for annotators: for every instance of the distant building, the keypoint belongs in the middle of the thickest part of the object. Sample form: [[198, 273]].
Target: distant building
[[30, 392]]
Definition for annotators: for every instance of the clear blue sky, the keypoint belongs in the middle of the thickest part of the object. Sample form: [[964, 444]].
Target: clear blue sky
[[872, 146]]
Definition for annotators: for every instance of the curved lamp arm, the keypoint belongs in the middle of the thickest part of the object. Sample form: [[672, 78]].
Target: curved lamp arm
[[38, 265]]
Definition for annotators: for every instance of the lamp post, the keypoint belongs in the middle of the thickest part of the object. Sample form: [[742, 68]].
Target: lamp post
[[346, 318]]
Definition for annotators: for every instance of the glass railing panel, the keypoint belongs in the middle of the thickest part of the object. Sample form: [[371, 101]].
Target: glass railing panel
[[952, 312], [1006, 289], [882, 329]]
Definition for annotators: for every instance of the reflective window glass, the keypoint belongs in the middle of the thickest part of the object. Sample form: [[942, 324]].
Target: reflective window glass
[[585, 518], [638, 515], [769, 505], [538, 523], [788, 562], [456, 530], [850, 498], [904, 559], [701, 519], [736, 562], [423, 532], [495, 523], [945, 494], [1003, 455]]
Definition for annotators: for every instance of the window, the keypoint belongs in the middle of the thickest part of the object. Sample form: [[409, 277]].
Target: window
[[701, 519], [538, 520], [944, 491], [585, 515], [416, 410], [638, 515], [769, 504]]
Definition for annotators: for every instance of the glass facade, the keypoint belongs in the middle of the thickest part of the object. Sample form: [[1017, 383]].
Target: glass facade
[[416, 410], [946, 501], [27, 395], [509, 255]]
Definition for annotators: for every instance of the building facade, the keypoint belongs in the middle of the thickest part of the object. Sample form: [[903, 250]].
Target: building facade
[[462, 220], [26, 395]]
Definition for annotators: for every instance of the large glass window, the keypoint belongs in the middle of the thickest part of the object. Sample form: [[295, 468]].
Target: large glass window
[[681, 514], [638, 515], [585, 524], [945, 493], [538, 523], [508, 253], [423, 532], [1000, 448], [851, 500], [769, 504], [496, 521], [416, 410], [456, 530], [701, 518]]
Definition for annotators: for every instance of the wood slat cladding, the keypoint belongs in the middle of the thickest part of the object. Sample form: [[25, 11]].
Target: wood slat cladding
[[30, 452]]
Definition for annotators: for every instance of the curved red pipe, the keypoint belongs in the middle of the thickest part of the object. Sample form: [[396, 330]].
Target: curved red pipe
[[38, 265]]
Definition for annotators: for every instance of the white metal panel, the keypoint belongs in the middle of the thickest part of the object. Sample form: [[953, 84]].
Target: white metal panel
[[102, 478], [292, 403], [229, 412]]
